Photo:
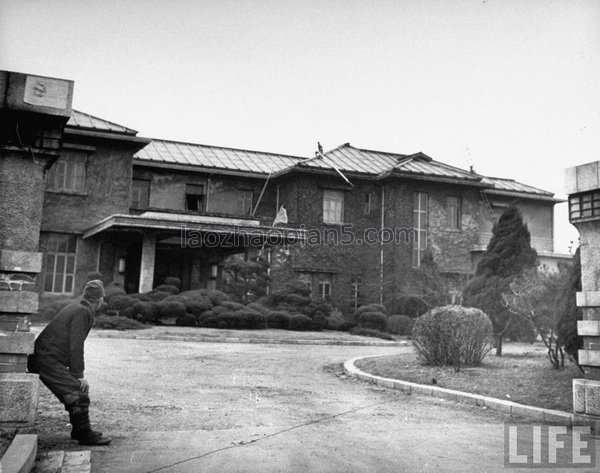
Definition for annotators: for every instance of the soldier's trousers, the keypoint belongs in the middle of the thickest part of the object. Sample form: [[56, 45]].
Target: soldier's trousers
[[59, 380]]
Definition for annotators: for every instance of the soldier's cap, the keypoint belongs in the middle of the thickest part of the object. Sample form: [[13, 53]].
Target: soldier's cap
[[93, 290]]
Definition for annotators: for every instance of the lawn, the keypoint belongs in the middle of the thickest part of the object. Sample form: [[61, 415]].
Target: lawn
[[523, 374]]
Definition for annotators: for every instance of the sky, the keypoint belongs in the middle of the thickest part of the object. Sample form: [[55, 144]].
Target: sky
[[510, 87]]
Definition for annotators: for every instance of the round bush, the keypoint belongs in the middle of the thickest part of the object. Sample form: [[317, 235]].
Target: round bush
[[355, 316], [336, 322], [167, 288], [186, 320], [218, 297], [229, 305], [171, 281], [197, 306], [259, 308], [251, 319], [373, 320], [318, 321], [300, 322], [113, 291], [400, 324], [279, 319], [145, 311], [121, 302], [453, 335], [168, 310], [117, 323]]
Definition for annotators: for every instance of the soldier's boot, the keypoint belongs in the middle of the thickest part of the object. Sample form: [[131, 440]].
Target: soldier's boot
[[82, 431]]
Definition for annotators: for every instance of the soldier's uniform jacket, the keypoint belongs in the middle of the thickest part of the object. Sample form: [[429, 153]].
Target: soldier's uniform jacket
[[63, 338]]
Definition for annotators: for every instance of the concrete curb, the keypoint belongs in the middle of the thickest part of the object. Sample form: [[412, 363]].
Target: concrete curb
[[266, 341], [20, 456], [508, 407]]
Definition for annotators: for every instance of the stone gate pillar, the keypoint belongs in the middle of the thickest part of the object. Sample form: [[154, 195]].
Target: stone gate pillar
[[583, 187], [33, 113]]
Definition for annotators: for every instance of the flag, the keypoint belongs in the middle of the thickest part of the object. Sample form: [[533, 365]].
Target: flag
[[281, 216]]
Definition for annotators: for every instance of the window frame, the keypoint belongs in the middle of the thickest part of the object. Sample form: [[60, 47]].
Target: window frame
[[420, 226], [71, 166], [331, 214], [137, 204], [55, 247], [321, 286], [454, 217], [368, 203], [200, 198]]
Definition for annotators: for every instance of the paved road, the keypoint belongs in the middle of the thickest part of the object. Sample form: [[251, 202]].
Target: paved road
[[224, 407]]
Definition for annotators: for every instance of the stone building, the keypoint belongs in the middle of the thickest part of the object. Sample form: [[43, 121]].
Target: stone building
[[139, 210]]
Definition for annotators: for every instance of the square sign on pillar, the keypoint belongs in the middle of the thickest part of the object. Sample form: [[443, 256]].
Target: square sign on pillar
[[583, 187]]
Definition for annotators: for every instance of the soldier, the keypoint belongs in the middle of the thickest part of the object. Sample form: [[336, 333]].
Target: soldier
[[58, 359]]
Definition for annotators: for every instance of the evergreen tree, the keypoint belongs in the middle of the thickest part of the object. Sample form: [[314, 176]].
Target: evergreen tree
[[508, 255], [570, 313]]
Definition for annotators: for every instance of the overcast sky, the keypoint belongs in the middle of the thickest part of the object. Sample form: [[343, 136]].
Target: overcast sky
[[509, 86]]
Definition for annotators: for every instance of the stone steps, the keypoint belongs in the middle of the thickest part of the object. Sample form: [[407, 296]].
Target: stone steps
[[60, 461]]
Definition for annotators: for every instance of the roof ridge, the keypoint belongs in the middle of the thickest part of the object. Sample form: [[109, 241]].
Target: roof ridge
[[103, 120], [227, 148]]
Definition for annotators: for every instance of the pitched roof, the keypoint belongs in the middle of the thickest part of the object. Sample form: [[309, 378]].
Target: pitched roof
[[217, 157], [85, 120], [509, 185], [381, 164], [346, 158]]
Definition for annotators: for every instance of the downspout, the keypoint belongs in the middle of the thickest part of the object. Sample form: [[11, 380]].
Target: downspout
[[381, 244]]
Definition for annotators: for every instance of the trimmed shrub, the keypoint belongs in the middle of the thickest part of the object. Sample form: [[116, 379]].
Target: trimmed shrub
[[259, 308], [145, 311], [337, 322], [195, 294], [278, 319], [121, 302], [113, 291], [168, 310], [318, 321], [186, 320], [369, 332], [373, 320], [400, 324], [300, 322], [167, 288], [233, 306], [126, 312], [355, 316], [153, 296], [207, 319], [229, 320], [197, 306], [251, 319], [453, 335], [218, 297], [117, 322], [172, 281]]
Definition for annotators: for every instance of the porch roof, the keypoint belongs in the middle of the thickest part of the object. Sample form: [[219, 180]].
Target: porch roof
[[248, 231]]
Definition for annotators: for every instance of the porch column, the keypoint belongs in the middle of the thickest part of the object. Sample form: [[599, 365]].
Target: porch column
[[147, 264]]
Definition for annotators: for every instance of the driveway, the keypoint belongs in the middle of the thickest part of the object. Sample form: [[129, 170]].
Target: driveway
[[177, 406]]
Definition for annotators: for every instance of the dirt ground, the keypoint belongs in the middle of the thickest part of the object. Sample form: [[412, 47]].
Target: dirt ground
[[188, 406]]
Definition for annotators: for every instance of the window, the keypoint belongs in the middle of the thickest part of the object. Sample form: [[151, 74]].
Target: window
[[420, 222], [367, 204], [355, 293], [59, 261], [584, 206], [68, 173], [244, 202], [194, 198], [325, 289], [333, 206], [140, 193], [453, 212]]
